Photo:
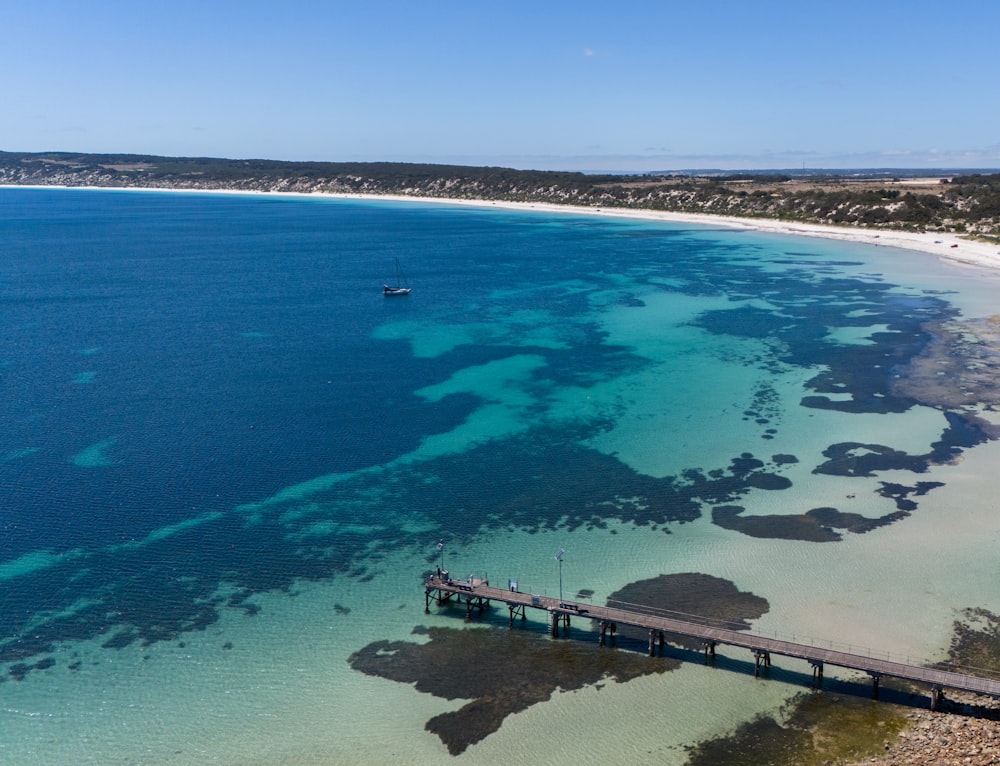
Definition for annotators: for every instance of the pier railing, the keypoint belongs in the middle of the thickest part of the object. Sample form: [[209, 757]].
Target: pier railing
[[818, 643], [477, 595]]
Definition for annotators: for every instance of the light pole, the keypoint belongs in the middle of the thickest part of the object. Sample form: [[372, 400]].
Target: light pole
[[440, 547], [559, 558]]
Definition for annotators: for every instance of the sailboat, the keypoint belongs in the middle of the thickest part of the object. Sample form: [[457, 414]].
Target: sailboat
[[399, 289]]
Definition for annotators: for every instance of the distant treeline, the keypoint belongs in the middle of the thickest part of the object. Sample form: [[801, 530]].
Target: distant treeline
[[966, 203]]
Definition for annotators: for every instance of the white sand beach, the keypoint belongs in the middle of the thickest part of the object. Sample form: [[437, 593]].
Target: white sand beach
[[951, 247]]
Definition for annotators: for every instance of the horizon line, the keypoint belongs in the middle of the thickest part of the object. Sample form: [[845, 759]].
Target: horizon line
[[706, 169]]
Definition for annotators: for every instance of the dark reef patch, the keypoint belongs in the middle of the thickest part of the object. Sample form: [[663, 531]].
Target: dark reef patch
[[816, 525], [502, 671], [778, 527], [631, 301], [975, 643], [964, 430], [515, 481], [799, 325], [710, 598], [19, 670], [853, 522], [817, 729], [784, 459], [901, 493], [746, 322], [121, 639], [499, 671], [769, 481], [857, 459], [857, 405]]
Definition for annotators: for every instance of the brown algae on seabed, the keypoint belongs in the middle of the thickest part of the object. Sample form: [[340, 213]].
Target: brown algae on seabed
[[501, 671], [822, 728], [958, 370]]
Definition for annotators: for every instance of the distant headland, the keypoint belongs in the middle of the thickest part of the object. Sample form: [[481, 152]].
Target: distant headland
[[965, 203]]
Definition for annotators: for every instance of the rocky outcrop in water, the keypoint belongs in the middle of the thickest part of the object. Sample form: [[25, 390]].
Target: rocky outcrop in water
[[968, 734]]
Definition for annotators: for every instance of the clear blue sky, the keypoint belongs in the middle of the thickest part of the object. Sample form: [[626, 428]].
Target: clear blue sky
[[626, 85]]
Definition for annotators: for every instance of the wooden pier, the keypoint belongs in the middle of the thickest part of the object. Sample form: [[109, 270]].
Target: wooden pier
[[477, 595]]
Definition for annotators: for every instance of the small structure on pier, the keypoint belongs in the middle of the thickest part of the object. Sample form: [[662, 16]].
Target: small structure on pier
[[455, 589]]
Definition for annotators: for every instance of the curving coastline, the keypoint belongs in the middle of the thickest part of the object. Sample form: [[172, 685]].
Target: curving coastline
[[950, 247], [946, 246], [707, 220]]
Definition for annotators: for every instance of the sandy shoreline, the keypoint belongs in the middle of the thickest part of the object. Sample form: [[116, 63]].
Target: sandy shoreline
[[948, 247]]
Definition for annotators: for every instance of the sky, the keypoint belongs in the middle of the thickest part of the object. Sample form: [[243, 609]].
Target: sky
[[627, 86]]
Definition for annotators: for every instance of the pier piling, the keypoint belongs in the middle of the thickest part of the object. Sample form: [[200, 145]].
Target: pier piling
[[937, 697], [709, 647], [817, 666], [762, 658], [876, 677]]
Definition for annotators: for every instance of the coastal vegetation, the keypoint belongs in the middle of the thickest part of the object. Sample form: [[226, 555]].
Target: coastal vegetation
[[937, 201]]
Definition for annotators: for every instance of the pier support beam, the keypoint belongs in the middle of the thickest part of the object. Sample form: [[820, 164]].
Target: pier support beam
[[875, 681], [937, 697], [817, 681], [607, 633], [709, 647], [554, 625], [761, 658], [515, 609], [427, 601], [652, 635]]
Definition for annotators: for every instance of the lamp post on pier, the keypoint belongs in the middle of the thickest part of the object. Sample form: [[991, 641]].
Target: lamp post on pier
[[559, 558]]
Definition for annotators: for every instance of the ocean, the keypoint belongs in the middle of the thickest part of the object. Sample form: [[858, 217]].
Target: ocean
[[227, 462]]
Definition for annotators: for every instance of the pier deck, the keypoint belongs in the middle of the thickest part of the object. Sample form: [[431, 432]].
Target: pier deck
[[478, 594]]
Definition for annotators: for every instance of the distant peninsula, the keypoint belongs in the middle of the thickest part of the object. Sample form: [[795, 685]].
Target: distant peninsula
[[955, 202]]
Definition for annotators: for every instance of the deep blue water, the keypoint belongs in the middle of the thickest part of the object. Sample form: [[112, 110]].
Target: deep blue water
[[225, 337], [169, 358]]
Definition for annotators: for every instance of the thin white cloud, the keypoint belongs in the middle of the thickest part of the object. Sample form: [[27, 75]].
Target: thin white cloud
[[652, 161]]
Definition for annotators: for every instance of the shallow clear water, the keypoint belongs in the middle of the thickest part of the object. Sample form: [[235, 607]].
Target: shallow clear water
[[226, 461]]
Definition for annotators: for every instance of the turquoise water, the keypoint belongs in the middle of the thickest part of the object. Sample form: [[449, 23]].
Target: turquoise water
[[227, 461]]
